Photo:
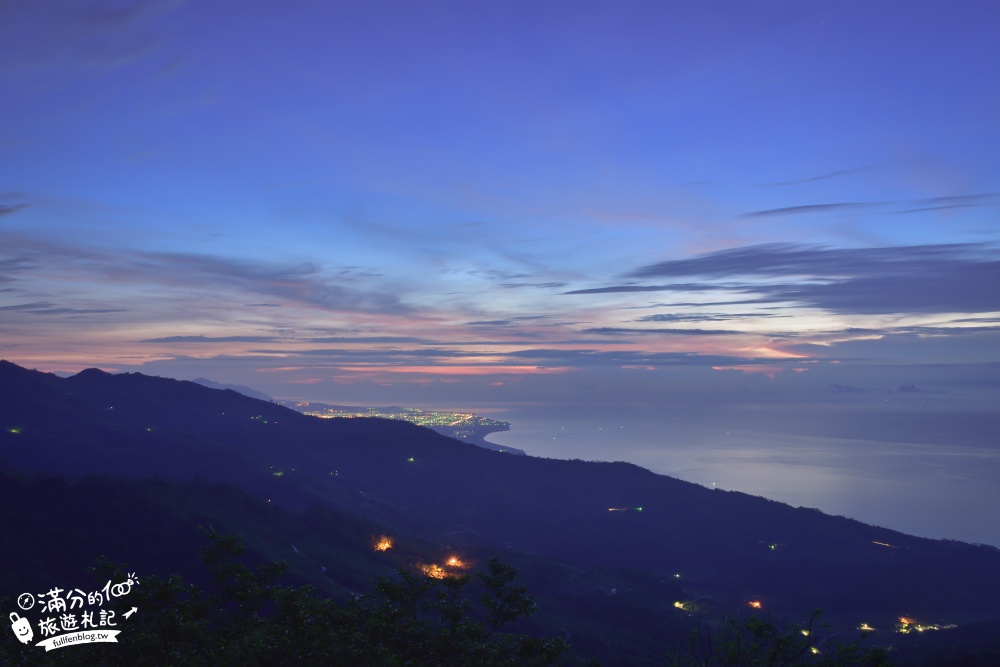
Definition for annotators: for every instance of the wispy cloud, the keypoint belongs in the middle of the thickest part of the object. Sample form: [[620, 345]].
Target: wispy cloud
[[945, 203], [808, 208], [208, 339], [369, 339], [662, 331], [783, 259], [941, 278], [46, 308], [547, 285], [8, 209], [906, 206], [303, 283], [306, 283], [93, 33], [822, 177], [686, 287], [704, 317]]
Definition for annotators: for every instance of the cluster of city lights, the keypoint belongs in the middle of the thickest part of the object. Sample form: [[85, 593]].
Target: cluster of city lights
[[908, 625], [412, 415]]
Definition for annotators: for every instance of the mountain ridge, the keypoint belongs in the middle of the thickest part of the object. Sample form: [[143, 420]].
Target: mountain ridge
[[724, 545]]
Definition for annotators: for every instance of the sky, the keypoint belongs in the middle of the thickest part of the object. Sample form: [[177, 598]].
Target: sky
[[462, 204]]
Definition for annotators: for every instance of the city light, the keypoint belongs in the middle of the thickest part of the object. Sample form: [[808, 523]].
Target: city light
[[908, 625]]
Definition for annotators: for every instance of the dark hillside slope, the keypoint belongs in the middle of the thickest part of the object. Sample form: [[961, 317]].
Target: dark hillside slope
[[724, 544], [151, 527]]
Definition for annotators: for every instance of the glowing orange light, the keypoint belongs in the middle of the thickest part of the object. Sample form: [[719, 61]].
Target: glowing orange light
[[756, 604], [433, 571], [383, 543], [454, 561], [906, 621]]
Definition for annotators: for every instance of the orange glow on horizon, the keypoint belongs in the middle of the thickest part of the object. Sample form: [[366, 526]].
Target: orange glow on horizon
[[383, 543]]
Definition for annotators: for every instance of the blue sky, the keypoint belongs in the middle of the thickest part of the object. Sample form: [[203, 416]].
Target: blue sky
[[455, 203]]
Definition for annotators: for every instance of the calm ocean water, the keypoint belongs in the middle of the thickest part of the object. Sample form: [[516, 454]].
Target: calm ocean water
[[933, 473]]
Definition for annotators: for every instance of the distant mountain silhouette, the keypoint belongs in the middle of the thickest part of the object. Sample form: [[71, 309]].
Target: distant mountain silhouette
[[246, 391], [671, 539]]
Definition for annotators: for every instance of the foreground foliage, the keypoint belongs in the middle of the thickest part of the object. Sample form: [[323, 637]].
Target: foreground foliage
[[247, 619], [755, 642]]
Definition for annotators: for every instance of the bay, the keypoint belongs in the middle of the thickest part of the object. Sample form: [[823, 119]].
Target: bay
[[932, 472]]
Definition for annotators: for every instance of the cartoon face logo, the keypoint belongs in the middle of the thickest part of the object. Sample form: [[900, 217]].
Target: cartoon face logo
[[21, 628]]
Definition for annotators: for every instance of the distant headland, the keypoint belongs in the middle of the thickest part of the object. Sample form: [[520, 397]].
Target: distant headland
[[464, 426]]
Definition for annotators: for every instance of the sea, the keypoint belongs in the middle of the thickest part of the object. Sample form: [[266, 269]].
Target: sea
[[926, 470]]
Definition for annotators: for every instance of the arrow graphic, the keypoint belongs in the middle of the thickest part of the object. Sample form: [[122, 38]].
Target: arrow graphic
[[131, 611]]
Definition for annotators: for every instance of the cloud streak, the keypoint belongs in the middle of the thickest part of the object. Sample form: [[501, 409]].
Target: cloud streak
[[822, 177], [940, 278], [808, 208], [616, 289], [307, 283], [10, 209], [208, 339], [47, 308]]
